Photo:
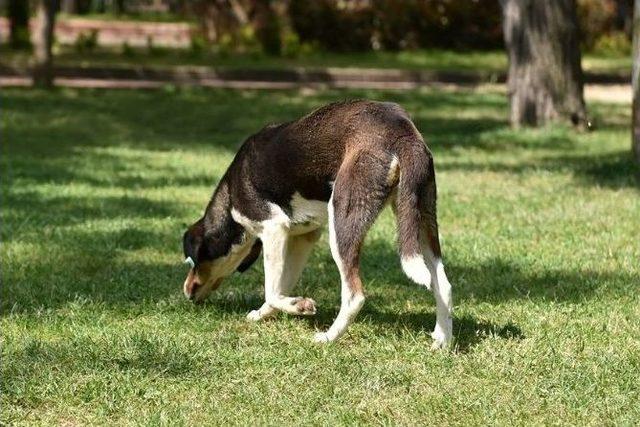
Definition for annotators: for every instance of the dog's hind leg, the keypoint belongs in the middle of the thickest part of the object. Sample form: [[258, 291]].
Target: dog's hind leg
[[359, 194], [429, 238]]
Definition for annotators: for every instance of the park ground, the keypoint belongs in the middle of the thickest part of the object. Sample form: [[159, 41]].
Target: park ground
[[416, 60], [540, 237]]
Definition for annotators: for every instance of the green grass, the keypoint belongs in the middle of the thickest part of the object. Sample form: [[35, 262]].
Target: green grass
[[540, 236], [434, 59]]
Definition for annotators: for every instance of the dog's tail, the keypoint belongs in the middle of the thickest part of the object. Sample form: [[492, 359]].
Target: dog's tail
[[415, 208]]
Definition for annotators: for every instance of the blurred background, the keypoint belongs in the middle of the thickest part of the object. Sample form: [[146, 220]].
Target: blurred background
[[379, 44], [295, 28]]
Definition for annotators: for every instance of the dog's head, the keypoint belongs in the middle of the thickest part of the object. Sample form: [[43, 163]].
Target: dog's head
[[214, 255]]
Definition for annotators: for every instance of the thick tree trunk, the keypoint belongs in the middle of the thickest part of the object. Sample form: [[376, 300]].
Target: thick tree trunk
[[18, 11], [43, 41], [635, 109], [545, 74]]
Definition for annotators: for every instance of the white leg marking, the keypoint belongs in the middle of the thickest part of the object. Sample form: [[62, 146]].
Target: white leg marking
[[275, 239], [443, 332], [393, 174], [351, 303], [263, 312], [416, 269]]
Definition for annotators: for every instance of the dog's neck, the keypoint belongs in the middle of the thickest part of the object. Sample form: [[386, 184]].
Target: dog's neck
[[218, 223], [218, 212]]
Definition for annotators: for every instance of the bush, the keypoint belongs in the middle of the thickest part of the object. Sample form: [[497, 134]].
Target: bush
[[470, 24], [292, 47], [616, 43], [198, 45], [333, 25], [395, 25], [603, 24], [127, 50], [87, 41]]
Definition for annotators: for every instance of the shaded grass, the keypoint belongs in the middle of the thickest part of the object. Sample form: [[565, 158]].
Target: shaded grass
[[540, 237], [427, 59]]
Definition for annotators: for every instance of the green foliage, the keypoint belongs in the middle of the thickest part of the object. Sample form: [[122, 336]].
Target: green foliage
[[600, 28], [86, 41], [438, 23], [616, 43], [332, 24], [198, 45], [293, 48], [539, 232], [395, 25], [127, 51], [154, 50]]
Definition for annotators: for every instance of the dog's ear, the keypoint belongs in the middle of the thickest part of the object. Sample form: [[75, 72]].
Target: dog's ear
[[192, 241], [251, 258]]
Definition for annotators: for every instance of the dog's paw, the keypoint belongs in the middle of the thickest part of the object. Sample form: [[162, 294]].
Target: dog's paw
[[306, 306], [440, 341], [321, 338], [254, 316]]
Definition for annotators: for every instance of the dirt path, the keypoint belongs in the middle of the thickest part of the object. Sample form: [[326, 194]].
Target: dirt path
[[616, 93]]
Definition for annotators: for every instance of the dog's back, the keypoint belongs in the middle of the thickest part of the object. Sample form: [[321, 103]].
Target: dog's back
[[305, 155]]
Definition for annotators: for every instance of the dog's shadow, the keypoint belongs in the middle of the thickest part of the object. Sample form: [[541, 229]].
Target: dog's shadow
[[468, 331]]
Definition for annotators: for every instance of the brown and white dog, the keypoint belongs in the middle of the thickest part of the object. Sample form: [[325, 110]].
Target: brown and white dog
[[341, 163]]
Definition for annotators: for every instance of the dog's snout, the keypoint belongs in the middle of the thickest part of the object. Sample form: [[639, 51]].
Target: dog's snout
[[193, 289], [191, 285]]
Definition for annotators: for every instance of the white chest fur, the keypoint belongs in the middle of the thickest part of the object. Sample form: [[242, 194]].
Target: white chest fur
[[306, 215]]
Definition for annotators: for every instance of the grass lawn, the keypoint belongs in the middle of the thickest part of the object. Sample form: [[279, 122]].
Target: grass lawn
[[433, 59], [540, 236]]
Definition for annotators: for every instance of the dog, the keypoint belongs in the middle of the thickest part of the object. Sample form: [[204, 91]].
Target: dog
[[340, 164]]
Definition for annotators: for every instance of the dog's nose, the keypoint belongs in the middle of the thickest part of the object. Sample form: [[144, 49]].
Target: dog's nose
[[190, 291]]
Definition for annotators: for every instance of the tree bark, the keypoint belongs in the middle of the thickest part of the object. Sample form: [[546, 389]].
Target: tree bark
[[635, 108], [43, 41], [545, 74], [18, 11]]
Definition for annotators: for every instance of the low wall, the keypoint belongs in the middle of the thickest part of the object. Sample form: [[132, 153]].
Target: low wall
[[116, 33]]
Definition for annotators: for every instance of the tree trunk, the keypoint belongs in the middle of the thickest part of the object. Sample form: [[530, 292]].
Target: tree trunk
[[545, 74], [43, 61], [267, 27], [221, 17], [68, 6], [635, 109], [18, 11]]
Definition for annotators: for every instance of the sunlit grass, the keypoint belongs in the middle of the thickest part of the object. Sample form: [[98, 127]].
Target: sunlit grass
[[540, 234]]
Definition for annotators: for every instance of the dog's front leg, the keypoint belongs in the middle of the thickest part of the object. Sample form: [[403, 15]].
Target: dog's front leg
[[275, 238]]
